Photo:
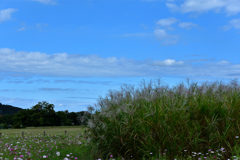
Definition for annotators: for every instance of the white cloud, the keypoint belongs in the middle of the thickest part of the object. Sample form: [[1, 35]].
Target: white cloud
[[6, 14], [187, 25], [75, 65], [167, 22], [165, 38], [46, 1], [223, 63], [168, 62], [160, 33], [229, 6], [21, 29], [235, 23], [38, 26], [172, 6]]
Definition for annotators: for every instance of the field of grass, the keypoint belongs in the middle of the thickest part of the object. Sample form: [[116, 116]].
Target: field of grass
[[30, 143]]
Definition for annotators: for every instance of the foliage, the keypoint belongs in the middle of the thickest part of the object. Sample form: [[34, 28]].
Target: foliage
[[8, 119], [42, 114], [8, 109], [134, 123], [4, 126], [18, 125]]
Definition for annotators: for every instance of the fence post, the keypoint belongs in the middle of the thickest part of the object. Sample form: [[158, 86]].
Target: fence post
[[22, 134], [44, 133], [65, 132]]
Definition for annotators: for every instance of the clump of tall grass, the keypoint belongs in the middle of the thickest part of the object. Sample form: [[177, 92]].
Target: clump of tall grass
[[144, 123]]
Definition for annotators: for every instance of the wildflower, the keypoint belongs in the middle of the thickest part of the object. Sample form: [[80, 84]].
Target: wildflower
[[45, 156], [58, 153]]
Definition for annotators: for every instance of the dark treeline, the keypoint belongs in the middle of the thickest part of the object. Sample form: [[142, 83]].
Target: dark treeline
[[42, 114], [8, 109]]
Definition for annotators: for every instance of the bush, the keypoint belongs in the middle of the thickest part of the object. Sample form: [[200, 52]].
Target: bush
[[4, 126], [18, 125]]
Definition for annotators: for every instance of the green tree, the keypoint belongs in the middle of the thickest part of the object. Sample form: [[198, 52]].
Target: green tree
[[69, 122], [49, 108], [62, 117], [20, 117], [73, 116], [7, 118]]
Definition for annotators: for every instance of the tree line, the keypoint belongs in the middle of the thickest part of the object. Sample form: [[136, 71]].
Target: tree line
[[8, 109], [43, 114]]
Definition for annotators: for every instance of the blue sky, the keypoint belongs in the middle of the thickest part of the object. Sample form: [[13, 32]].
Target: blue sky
[[70, 52]]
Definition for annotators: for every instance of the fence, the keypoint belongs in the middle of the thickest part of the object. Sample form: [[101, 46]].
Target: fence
[[44, 133]]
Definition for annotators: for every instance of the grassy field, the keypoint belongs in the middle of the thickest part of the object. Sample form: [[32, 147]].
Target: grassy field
[[54, 130], [55, 145]]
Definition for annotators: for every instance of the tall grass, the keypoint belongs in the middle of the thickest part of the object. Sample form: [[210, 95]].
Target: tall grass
[[164, 123]]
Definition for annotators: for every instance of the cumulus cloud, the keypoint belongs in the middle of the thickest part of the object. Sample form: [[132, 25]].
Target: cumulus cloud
[[187, 25], [165, 38], [229, 6], [46, 1], [6, 14]]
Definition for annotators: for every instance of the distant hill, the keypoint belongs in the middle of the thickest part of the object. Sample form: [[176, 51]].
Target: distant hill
[[8, 109]]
